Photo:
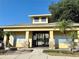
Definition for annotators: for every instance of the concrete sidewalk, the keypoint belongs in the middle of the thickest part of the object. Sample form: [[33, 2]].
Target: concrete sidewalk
[[36, 54]]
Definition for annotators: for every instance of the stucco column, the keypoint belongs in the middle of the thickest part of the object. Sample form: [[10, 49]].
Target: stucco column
[[27, 38], [51, 40], [46, 19], [30, 38], [5, 39], [11, 41], [40, 19]]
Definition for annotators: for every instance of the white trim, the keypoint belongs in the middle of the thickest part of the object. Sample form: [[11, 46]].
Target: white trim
[[39, 15]]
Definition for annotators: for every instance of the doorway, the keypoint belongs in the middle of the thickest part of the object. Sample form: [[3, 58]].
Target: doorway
[[40, 39]]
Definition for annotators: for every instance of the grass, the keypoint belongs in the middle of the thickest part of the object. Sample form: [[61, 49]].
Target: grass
[[61, 53]]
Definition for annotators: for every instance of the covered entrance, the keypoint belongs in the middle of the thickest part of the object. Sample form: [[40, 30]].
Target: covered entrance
[[40, 39]]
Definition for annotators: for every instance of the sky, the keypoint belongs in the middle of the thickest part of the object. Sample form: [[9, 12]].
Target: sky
[[16, 11]]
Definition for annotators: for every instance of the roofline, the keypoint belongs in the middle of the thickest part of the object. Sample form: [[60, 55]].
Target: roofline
[[36, 25], [37, 15]]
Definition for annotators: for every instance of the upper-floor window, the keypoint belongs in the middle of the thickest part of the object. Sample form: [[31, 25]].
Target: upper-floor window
[[36, 19], [43, 19]]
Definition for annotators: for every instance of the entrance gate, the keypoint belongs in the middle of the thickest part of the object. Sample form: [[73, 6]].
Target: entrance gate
[[40, 39]]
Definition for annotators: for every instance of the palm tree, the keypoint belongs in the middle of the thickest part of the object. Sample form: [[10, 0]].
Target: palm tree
[[63, 25], [73, 36]]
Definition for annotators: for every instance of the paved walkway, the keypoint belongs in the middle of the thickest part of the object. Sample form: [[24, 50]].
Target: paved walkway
[[36, 54]]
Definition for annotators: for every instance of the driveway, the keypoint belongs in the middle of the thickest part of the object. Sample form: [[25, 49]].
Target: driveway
[[36, 54]]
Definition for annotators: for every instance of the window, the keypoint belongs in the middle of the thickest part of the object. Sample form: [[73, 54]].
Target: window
[[43, 19], [36, 19]]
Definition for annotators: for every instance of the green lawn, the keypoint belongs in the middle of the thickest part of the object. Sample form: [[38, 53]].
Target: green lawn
[[61, 53]]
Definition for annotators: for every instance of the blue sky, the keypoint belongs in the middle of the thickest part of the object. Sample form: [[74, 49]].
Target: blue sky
[[17, 11]]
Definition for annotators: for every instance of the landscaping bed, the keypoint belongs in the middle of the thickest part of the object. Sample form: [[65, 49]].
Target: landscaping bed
[[14, 51], [61, 53]]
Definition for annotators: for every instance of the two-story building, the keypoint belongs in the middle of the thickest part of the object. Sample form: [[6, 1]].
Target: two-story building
[[41, 33]]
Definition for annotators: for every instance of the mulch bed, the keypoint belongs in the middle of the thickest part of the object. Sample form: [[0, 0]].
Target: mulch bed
[[10, 52]]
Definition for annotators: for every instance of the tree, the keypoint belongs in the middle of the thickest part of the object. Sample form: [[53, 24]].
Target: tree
[[65, 13], [73, 36], [65, 9], [63, 25]]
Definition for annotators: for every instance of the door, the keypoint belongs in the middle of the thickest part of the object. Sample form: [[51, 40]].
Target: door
[[34, 39], [40, 39]]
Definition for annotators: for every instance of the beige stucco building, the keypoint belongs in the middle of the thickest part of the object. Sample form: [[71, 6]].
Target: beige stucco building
[[41, 33]]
